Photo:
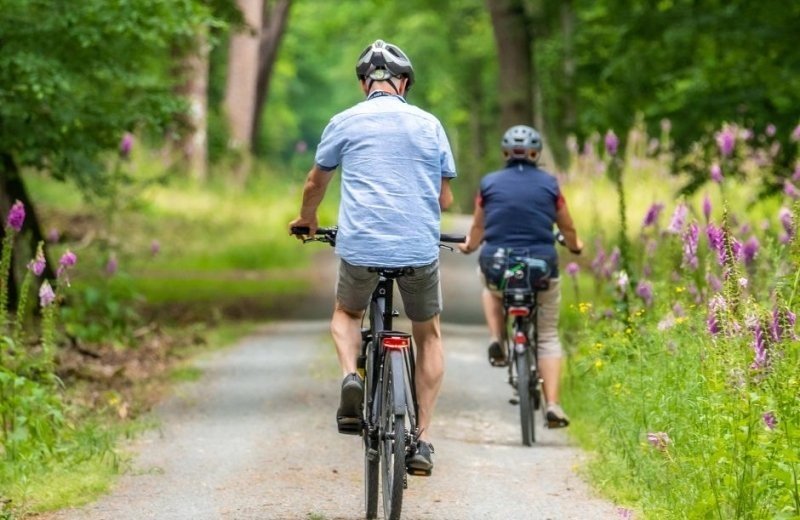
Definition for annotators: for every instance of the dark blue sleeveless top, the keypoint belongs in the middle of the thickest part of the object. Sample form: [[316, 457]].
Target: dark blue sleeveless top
[[520, 203]]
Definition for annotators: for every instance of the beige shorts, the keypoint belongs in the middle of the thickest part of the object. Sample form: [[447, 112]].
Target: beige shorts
[[549, 303], [421, 292]]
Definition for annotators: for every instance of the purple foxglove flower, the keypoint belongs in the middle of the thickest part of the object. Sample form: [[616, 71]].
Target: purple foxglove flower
[[155, 247], [785, 216], [38, 264], [644, 290], [750, 250], [572, 269], [745, 229], [790, 189], [16, 216], [759, 348], [612, 142], [659, 440], [125, 145], [690, 246], [726, 140], [46, 294], [67, 260], [53, 236], [706, 207], [796, 133], [613, 259], [770, 130], [716, 241], [111, 265], [714, 282], [678, 219], [652, 214], [623, 281], [769, 420], [716, 173]]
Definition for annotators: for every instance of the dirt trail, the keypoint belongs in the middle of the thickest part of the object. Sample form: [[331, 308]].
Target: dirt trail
[[255, 437]]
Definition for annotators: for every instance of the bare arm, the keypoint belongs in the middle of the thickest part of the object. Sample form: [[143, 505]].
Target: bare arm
[[475, 236], [567, 228], [445, 194], [313, 193]]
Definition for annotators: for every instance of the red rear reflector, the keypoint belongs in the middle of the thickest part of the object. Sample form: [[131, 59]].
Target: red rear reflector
[[392, 342], [519, 311]]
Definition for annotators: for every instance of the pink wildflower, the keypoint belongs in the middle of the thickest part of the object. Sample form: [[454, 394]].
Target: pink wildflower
[[716, 173], [46, 294], [612, 143], [16, 216]]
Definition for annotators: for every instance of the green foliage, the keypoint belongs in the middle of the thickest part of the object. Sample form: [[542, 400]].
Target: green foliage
[[72, 81]]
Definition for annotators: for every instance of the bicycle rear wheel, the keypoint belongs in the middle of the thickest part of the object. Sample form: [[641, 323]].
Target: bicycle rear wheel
[[393, 436], [371, 452], [526, 402]]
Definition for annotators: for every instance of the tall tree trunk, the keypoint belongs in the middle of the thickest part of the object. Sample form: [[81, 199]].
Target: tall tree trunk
[[12, 189], [194, 145], [513, 36], [240, 90], [273, 26], [570, 117], [190, 140]]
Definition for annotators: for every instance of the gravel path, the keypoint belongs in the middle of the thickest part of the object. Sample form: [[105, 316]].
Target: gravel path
[[256, 439]]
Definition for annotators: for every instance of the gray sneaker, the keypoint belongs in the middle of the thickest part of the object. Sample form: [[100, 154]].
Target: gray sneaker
[[421, 462], [556, 418], [348, 416]]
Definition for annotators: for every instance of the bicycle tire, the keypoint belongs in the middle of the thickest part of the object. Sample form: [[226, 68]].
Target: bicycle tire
[[393, 438], [525, 399], [371, 452]]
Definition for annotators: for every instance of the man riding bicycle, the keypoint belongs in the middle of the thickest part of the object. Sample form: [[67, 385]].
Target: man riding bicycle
[[516, 209], [396, 166]]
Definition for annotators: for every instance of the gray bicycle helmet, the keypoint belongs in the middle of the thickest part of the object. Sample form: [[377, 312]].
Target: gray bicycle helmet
[[522, 142], [381, 61]]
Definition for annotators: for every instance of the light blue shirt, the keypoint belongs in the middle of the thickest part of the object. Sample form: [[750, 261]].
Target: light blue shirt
[[393, 156]]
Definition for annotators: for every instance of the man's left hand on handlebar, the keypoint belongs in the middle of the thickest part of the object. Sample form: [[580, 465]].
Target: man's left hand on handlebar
[[311, 224]]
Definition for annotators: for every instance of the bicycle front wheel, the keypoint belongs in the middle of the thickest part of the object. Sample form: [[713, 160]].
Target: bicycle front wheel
[[393, 436], [526, 402]]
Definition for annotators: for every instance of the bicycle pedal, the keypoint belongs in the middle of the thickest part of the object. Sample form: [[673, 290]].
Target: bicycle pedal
[[419, 472], [348, 426]]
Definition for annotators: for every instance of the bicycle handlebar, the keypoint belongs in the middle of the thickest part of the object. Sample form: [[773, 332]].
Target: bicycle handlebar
[[327, 234]]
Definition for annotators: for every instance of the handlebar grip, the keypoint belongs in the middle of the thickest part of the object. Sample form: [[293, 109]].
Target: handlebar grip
[[300, 230], [452, 238]]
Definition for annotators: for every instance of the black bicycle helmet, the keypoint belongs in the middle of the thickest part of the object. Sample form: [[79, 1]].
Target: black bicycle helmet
[[522, 142], [382, 60]]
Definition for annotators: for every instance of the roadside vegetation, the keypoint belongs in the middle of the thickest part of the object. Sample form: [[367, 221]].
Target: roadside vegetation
[[683, 376]]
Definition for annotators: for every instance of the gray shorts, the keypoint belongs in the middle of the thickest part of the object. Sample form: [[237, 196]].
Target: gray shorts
[[421, 292]]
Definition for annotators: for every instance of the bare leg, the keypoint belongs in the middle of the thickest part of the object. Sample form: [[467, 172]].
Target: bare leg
[[429, 370], [550, 369], [493, 311], [346, 332]]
